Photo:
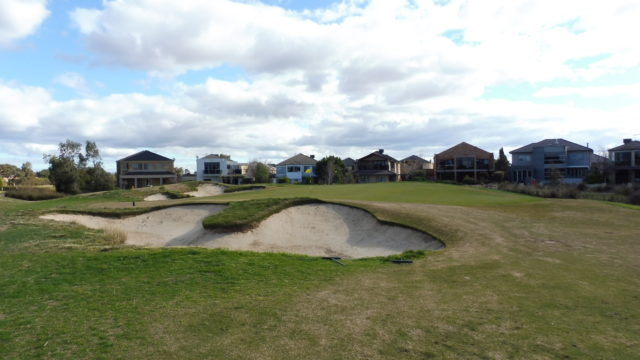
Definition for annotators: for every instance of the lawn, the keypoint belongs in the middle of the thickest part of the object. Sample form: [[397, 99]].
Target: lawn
[[521, 277]]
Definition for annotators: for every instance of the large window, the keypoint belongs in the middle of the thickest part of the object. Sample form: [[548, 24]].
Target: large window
[[281, 170], [523, 158], [293, 168], [464, 163], [577, 156], [554, 174], [482, 164], [373, 165], [212, 168], [577, 173], [445, 164], [622, 158]]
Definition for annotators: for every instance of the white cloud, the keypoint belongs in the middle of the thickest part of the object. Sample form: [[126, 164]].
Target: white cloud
[[20, 18], [632, 90], [73, 81]]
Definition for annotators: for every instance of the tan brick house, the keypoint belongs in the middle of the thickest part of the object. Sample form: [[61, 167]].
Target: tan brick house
[[463, 160], [145, 168]]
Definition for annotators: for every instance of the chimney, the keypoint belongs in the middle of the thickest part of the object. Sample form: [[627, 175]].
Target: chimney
[[626, 141], [381, 151], [312, 156]]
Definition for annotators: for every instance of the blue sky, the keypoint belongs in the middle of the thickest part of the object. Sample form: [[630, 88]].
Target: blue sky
[[266, 80]]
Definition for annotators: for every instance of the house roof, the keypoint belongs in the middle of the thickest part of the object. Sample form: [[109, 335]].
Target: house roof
[[135, 173], [415, 158], [348, 161], [379, 154], [464, 149], [551, 142], [595, 158], [218, 156], [631, 145], [299, 159], [145, 155]]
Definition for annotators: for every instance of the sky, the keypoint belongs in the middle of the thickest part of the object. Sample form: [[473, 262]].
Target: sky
[[265, 80]]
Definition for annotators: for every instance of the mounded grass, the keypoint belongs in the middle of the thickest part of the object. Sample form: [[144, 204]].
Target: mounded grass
[[32, 193], [521, 277]]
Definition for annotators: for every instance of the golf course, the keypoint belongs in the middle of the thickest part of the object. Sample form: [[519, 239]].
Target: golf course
[[515, 277]]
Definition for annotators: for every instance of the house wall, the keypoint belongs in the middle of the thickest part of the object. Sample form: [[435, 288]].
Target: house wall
[[572, 165], [295, 176], [224, 171], [144, 166]]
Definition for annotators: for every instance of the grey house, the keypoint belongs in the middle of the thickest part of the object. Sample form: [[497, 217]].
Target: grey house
[[551, 159], [626, 161]]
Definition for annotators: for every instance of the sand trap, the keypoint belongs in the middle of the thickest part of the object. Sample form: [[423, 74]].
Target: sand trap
[[207, 190], [152, 229], [316, 229], [156, 197]]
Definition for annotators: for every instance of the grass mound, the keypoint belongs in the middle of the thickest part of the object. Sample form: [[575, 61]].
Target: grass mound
[[244, 215], [236, 188], [32, 193]]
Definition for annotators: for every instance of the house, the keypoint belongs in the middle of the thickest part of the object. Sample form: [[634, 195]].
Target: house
[[414, 166], [145, 168], [377, 167], [463, 160], [299, 168], [626, 162], [549, 160], [218, 168]]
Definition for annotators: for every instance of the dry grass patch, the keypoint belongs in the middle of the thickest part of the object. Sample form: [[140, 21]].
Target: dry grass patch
[[115, 236]]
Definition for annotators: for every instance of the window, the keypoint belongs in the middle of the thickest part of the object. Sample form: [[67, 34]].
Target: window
[[281, 170], [637, 157], [293, 168], [622, 158], [553, 159], [576, 156], [577, 173], [465, 163], [212, 168], [554, 174], [445, 164], [523, 158], [482, 164]]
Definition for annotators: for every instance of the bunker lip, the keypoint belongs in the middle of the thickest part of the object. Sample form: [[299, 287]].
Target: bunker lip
[[312, 229], [207, 190]]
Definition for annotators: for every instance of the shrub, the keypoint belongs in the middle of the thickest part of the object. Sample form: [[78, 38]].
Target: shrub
[[114, 236], [468, 180], [176, 195], [284, 180], [32, 193], [634, 198]]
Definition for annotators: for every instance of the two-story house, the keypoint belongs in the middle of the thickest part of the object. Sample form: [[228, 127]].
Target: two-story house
[[145, 168], [377, 167], [551, 160], [414, 166], [218, 168], [626, 162], [463, 160], [299, 168]]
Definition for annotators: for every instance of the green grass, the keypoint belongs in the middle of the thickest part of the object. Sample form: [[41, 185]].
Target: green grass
[[521, 277], [244, 215]]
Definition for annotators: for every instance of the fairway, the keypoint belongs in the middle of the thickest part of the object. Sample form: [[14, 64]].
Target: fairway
[[520, 277]]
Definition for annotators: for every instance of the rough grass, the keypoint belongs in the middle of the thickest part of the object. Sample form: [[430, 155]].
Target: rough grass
[[521, 277], [32, 193], [244, 215], [235, 188], [114, 236]]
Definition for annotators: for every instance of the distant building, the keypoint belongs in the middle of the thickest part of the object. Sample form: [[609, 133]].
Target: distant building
[[626, 162], [297, 168], [349, 164], [463, 160], [145, 168], [551, 159], [218, 168], [414, 166], [377, 167]]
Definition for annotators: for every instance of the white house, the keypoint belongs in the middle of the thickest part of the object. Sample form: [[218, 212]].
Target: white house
[[297, 168], [217, 168]]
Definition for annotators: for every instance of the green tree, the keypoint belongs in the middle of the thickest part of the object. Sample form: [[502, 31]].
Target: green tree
[[69, 171], [261, 173], [1, 183], [331, 170], [502, 164]]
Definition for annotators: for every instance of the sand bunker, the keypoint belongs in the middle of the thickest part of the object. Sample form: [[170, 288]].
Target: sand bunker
[[156, 197], [207, 190], [316, 229]]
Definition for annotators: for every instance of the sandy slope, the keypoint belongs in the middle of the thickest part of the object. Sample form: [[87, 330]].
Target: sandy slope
[[156, 197], [316, 229], [207, 190]]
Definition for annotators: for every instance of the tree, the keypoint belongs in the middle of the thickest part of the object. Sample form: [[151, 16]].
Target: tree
[[259, 171], [179, 171], [69, 171], [502, 164], [1, 183], [11, 172], [331, 170]]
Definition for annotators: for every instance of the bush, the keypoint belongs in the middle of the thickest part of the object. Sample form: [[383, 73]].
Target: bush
[[114, 236], [284, 180], [634, 198], [176, 195], [468, 180], [32, 193]]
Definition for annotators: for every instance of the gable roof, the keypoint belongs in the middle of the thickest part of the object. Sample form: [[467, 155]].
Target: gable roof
[[379, 154], [299, 159], [631, 145], [415, 158], [464, 149], [348, 161], [551, 142], [145, 155]]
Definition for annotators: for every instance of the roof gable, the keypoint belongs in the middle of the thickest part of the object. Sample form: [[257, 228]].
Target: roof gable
[[348, 161], [145, 155], [551, 142], [463, 149], [415, 158], [299, 159], [632, 145], [376, 155]]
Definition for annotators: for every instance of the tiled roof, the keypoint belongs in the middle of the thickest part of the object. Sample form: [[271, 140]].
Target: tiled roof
[[349, 161], [632, 145], [299, 159], [145, 155], [551, 142], [464, 149], [415, 158], [378, 153]]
